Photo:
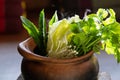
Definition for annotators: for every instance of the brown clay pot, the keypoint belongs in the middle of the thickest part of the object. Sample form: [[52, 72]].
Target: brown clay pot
[[36, 67]]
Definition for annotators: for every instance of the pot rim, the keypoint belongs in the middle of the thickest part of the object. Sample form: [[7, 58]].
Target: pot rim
[[26, 48]]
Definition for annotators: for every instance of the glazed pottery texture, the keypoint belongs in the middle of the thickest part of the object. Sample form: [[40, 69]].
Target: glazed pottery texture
[[37, 67]]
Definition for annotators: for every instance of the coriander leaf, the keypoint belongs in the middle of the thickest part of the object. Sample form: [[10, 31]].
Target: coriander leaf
[[75, 27], [102, 13], [115, 28]]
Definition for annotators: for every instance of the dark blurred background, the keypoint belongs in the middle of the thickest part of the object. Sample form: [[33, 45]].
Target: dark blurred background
[[11, 10], [67, 8], [12, 32]]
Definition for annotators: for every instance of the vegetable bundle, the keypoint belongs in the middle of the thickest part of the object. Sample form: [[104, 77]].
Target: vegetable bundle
[[73, 37]]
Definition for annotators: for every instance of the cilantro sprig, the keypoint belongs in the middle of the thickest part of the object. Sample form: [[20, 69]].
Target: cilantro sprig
[[99, 31]]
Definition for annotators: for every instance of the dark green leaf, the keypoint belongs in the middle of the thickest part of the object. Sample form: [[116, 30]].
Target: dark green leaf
[[42, 29]]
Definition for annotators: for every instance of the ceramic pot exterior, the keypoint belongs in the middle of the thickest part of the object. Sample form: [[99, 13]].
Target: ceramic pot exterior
[[36, 67]]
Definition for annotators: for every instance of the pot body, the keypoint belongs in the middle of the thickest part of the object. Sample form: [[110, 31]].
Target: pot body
[[36, 67]]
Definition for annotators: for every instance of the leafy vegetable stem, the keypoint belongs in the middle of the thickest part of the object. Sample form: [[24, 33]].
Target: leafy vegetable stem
[[94, 42]]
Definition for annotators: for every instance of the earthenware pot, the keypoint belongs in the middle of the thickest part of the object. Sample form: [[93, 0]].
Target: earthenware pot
[[37, 67]]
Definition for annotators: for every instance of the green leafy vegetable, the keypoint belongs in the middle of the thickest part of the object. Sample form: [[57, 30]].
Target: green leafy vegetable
[[57, 38], [39, 35], [42, 31], [73, 37], [31, 28], [95, 32]]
